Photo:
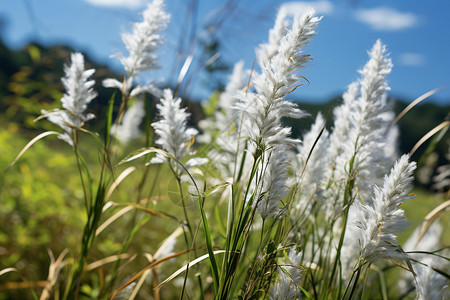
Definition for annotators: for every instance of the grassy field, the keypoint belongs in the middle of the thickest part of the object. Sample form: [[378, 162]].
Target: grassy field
[[145, 204], [42, 211]]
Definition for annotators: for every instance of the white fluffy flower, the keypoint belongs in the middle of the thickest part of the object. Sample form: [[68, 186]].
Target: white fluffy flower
[[79, 93], [66, 121], [379, 221], [441, 182], [358, 142], [145, 39], [372, 118], [276, 34], [237, 81], [141, 44], [226, 116], [174, 136], [222, 129], [78, 87], [342, 115], [429, 283], [287, 288], [372, 226], [265, 107], [313, 179], [271, 182]]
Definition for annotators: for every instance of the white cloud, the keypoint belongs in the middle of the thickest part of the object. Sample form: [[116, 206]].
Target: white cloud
[[411, 59], [386, 18], [298, 7], [130, 4]]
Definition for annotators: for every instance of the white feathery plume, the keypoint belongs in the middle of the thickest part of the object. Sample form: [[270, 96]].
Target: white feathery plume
[[358, 142], [145, 39], [373, 225], [66, 121], [287, 287], [265, 107], [263, 110], [369, 123], [272, 185], [429, 242], [358, 146], [314, 175], [276, 34], [129, 130], [226, 122], [391, 148], [342, 114], [174, 136], [141, 44], [441, 182], [226, 116], [79, 93], [221, 132], [430, 285], [334, 174], [237, 81]]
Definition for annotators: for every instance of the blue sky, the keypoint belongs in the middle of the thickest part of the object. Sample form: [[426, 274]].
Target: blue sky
[[417, 34]]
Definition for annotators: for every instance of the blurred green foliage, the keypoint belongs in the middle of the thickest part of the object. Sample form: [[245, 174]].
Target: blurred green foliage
[[42, 209], [41, 204], [417, 208]]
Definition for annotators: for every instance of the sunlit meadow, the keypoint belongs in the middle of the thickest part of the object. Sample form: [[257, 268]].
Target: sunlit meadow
[[234, 209]]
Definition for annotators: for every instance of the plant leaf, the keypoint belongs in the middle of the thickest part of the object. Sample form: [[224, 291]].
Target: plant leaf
[[30, 143], [108, 122], [118, 180], [7, 270], [141, 272], [431, 217], [428, 135], [182, 269], [414, 103], [142, 152]]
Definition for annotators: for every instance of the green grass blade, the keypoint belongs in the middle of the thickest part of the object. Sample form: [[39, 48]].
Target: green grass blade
[[148, 122], [209, 246], [442, 272], [201, 199], [109, 115], [142, 152], [383, 285], [27, 146], [220, 224]]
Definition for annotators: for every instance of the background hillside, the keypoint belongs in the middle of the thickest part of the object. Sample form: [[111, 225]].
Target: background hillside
[[30, 80]]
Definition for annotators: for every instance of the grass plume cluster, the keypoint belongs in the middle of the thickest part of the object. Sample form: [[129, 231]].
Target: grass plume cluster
[[239, 209]]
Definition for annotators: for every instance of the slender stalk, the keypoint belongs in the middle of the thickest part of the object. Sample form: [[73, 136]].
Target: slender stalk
[[351, 283], [355, 284], [87, 241], [94, 212], [347, 202], [193, 245], [87, 196], [236, 240]]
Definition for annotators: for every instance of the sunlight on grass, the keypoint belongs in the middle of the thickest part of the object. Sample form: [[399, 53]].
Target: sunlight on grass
[[141, 202]]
